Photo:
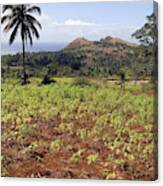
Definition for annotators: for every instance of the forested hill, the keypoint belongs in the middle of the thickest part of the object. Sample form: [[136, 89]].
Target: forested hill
[[106, 57]]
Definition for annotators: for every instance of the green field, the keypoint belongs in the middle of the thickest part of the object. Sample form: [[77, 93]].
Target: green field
[[71, 130]]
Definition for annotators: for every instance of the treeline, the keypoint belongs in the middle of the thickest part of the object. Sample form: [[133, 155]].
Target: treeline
[[85, 61]]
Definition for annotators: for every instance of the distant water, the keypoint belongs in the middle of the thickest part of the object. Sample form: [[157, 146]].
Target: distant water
[[37, 47]]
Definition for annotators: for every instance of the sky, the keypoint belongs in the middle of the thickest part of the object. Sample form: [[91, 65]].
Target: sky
[[63, 22]]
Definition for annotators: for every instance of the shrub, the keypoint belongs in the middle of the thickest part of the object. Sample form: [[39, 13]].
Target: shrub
[[81, 81], [92, 158], [77, 155], [55, 144], [147, 87]]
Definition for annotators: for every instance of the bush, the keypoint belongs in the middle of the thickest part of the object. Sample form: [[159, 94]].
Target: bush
[[147, 87], [81, 81]]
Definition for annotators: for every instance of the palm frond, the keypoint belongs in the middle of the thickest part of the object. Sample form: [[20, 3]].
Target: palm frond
[[7, 7], [29, 36], [5, 18], [20, 17], [34, 31], [14, 33], [33, 20], [10, 25], [34, 9]]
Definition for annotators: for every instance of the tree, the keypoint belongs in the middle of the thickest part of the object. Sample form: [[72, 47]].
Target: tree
[[47, 80], [148, 37], [19, 19]]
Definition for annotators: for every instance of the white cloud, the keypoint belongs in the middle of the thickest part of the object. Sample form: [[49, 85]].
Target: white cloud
[[45, 19], [72, 22]]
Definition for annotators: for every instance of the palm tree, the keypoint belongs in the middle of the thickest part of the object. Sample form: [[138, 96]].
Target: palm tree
[[19, 19]]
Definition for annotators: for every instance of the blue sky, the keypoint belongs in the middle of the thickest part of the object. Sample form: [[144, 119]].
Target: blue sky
[[63, 22]]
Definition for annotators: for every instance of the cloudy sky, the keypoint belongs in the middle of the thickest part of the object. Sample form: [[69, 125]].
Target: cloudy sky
[[63, 22]]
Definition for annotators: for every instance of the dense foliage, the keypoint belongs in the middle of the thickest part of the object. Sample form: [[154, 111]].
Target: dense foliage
[[98, 59], [148, 37]]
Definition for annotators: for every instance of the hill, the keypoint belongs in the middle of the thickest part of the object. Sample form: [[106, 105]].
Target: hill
[[110, 41], [106, 57], [79, 42]]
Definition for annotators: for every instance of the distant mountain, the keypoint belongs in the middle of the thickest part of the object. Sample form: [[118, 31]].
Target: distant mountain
[[106, 42], [114, 41], [79, 42], [92, 52]]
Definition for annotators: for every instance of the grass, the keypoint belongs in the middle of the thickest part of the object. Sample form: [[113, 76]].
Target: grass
[[69, 131]]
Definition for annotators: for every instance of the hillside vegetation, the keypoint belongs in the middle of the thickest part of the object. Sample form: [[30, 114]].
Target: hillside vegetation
[[107, 57]]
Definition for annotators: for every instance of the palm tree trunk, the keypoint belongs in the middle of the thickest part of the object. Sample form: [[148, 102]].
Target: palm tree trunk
[[24, 80]]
